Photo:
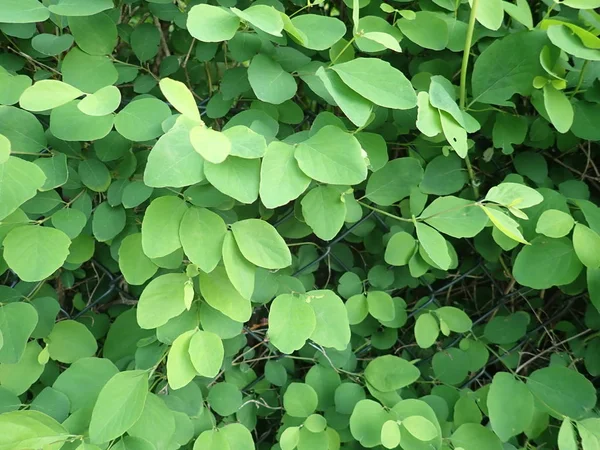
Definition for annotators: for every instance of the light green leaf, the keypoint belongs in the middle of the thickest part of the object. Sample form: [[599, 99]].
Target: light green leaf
[[35, 252], [107, 221], [212, 145], [559, 108], [291, 322], [394, 181], [324, 211], [289, 438], [426, 29], [23, 11], [366, 422], [87, 72], [427, 330], [29, 429], [505, 224], [240, 271], [70, 341], [332, 156], [510, 406], [582, 4], [434, 245], [19, 182], [454, 134], [96, 34], [160, 227], [400, 249], [554, 223], [473, 436], [455, 217], [22, 129], [206, 353], [428, 118], [490, 14], [261, 244], [281, 180], [521, 12], [141, 120], [157, 422], [69, 123], [235, 177], [55, 169], [102, 102], [161, 300], [300, 400], [385, 39], [119, 405], [378, 81], [47, 94], [50, 45], [567, 439], [332, 328], [17, 322], [587, 246], [135, 266], [19, 377], [209, 23], [390, 373], [245, 142], [180, 97], [390, 434], [381, 306], [4, 149], [514, 195], [180, 370], [145, 41], [202, 233], [318, 32], [225, 398], [269, 81], [219, 293], [70, 8], [420, 427], [264, 17]]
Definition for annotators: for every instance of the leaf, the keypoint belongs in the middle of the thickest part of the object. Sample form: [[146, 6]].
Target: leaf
[[500, 72], [420, 427], [563, 391], [390, 373], [245, 142], [434, 245], [119, 405], [17, 323], [19, 182], [400, 249], [289, 438], [520, 12], [240, 271], [69, 123], [88, 72], [26, 429], [264, 17], [96, 34], [80, 8], [300, 400], [455, 319], [332, 156], [509, 130], [427, 330], [318, 32], [394, 181], [211, 23], [102, 102], [23, 11], [70, 341], [160, 227], [490, 14], [202, 233], [180, 97], [22, 129], [35, 252], [135, 266], [281, 180], [505, 224], [567, 440], [426, 29], [324, 211], [145, 40], [455, 217], [554, 223], [390, 434], [510, 406], [219, 293], [19, 377], [514, 195], [235, 177], [55, 169], [454, 134], [559, 108], [50, 45], [357, 108], [107, 222], [381, 305], [47, 94], [378, 81], [291, 322], [212, 145], [269, 81], [261, 244], [385, 39], [141, 119], [332, 328], [180, 369], [206, 353], [587, 246], [4, 149], [161, 300], [473, 436], [366, 422], [225, 398], [428, 118], [546, 263], [157, 422]]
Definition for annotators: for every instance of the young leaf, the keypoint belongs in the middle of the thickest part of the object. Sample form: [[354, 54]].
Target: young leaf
[[291, 322], [261, 244], [206, 353]]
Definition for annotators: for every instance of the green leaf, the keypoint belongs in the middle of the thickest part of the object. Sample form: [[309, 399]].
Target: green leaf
[[357, 309], [332, 156], [50, 45], [145, 40], [161, 300], [23, 11], [300, 400], [35, 252], [378, 81], [427, 330], [324, 211], [366, 422], [245, 142], [4, 149], [500, 72], [17, 322], [521, 12], [318, 32], [225, 398], [505, 224], [357, 108], [206, 353], [87, 72], [141, 119], [390, 373], [157, 422], [381, 305], [211, 23], [107, 221], [29, 429], [180, 97], [289, 438], [472, 436], [135, 266], [240, 271], [426, 29], [554, 223], [394, 181], [455, 319], [264, 17], [563, 391], [400, 249], [19, 377], [70, 341], [261, 244], [212, 145], [22, 129], [454, 134], [567, 439], [434, 245], [420, 427], [269, 81], [180, 369], [455, 217], [428, 118], [95, 34], [69, 123], [559, 108], [70, 8], [547, 262], [48, 94], [281, 180], [510, 406], [332, 328], [119, 405], [219, 293], [235, 177], [202, 233], [490, 14], [55, 169], [102, 102], [390, 434], [19, 182], [587, 246], [291, 322], [160, 227], [211, 440]]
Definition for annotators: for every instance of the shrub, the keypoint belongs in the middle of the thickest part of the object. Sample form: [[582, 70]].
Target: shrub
[[274, 225]]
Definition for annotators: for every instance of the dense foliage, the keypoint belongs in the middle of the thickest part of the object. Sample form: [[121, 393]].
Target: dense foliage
[[281, 225]]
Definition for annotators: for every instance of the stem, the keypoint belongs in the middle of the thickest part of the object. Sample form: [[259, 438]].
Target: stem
[[385, 213], [342, 52], [580, 80], [463, 87]]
